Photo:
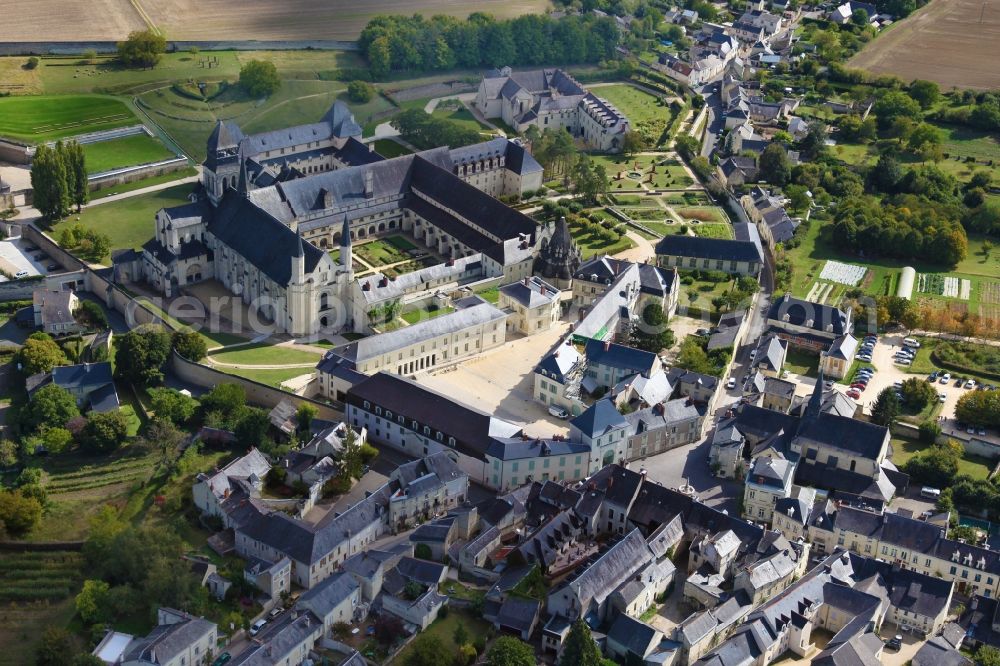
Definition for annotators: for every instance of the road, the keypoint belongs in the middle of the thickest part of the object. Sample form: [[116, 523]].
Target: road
[[716, 122]]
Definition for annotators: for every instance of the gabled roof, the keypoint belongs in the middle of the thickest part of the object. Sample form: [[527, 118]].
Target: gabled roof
[[619, 356], [325, 597], [637, 637], [85, 376], [817, 316], [698, 247]]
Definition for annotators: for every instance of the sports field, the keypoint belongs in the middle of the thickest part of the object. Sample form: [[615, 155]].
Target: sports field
[[127, 151], [45, 118], [953, 42], [80, 20]]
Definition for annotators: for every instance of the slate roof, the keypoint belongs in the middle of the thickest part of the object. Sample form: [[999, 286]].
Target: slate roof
[[166, 641], [83, 376], [471, 428], [560, 362], [600, 418], [532, 292], [843, 347], [769, 471], [859, 437], [328, 594], [518, 614], [637, 637], [619, 356], [799, 312], [708, 248], [435, 532], [937, 652], [621, 560], [516, 448]]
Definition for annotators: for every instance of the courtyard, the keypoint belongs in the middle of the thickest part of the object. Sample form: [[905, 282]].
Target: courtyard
[[393, 256]]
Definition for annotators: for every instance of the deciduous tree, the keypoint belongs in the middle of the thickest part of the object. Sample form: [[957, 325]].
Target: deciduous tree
[[259, 78], [509, 651], [143, 48], [142, 353]]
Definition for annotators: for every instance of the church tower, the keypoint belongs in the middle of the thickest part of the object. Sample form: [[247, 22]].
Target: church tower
[[222, 162]]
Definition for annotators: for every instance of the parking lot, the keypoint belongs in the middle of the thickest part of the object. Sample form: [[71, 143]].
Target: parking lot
[[20, 258]]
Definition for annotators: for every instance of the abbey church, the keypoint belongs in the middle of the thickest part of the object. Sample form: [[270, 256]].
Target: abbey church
[[272, 207]]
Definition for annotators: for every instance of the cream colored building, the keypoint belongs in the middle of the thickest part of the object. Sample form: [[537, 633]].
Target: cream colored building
[[533, 303]]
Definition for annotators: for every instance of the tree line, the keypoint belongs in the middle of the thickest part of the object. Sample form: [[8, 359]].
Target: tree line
[[59, 179], [401, 43]]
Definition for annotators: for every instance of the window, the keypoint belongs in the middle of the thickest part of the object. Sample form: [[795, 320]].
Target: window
[[953, 570], [513, 467]]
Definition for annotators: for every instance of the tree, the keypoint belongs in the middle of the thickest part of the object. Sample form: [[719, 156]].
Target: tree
[[86, 659], [8, 453], [40, 353], [143, 48], [886, 408], [652, 333], [251, 429], [987, 655], [895, 104], [77, 186], [142, 353], [423, 551], [259, 78], [917, 393], [926, 141], [32, 63], [935, 466], [91, 602], [49, 182], [981, 408], [426, 650], [632, 143], [105, 431], [305, 415], [190, 344], [510, 651], [92, 315], [388, 628], [580, 648], [51, 406], [460, 635], [57, 439], [774, 164], [225, 398], [172, 405], [18, 513], [360, 92], [926, 93], [885, 175], [687, 146], [53, 646]]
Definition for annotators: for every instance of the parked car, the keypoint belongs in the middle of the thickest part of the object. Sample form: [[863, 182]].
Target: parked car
[[932, 377], [859, 387], [895, 643], [959, 382], [223, 658], [703, 332], [971, 430], [903, 361], [942, 397], [911, 342], [970, 384], [981, 432], [52, 267], [257, 626], [21, 274], [854, 394], [276, 611], [945, 378], [558, 412], [731, 384]]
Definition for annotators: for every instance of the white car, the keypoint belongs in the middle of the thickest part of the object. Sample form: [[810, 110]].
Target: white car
[[970, 384], [558, 412], [945, 378], [21, 274], [731, 384], [903, 361], [942, 397], [257, 626]]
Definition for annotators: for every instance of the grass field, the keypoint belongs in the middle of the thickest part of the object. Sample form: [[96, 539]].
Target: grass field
[[146, 182], [128, 222], [903, 449], [591, 244], [389, 148], [643, 110], [801, 363], [46, 118], [124, 152], [265, 354], [269, 377], [932, 43], [460, 116]]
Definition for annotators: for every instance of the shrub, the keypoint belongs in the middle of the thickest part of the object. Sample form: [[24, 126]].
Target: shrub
[[360, 92]]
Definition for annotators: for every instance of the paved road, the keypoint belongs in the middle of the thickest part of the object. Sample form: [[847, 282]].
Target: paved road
[[716, 121]]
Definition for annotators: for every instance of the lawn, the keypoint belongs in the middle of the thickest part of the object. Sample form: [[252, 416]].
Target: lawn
[[127, 222], [384, 251], [127, 151], [46, 117], [423, 314], [444, 629], [212, 338], [459, 115], [903, 449], [269, 377], [702, 214], [801, 363], [713, 230], [490, 294], [388, 148], [643, 110], [591, 244], [853, 153], [146, 182], [705, 290], [923, 363], [265, 354]]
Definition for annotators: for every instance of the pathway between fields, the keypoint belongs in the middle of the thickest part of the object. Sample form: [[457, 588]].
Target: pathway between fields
[[145, 190]]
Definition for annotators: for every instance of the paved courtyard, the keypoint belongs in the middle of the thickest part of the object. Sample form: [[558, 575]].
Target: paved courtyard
[[501, 381]]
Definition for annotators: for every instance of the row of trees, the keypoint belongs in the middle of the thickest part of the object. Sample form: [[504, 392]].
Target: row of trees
[[399, 43], [59, 179]]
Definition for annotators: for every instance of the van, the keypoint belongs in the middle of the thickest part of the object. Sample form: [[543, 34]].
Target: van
[[910, 342], [930, 493]]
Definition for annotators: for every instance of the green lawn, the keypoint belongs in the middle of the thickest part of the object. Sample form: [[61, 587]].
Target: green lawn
[[702, 214], [967, 142], [389, 148], [414, 316], [444, 629], [854, 153], [212, 338], [643, 110], [491, 294], [903, 449], [127, 151], [460, 116], [705, 290], [591, 244], [128, 222], [801, 363], [146, 182], [46, 117], [713, 230], [265, 354], [383, 251], [269, 377]]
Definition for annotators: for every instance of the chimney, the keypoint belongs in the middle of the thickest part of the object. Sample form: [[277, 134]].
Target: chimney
[[369, 184], [607, 345]]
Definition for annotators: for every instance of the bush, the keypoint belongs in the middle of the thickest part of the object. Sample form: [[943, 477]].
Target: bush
[[32, 63], [360, 92], [143, 48], [929, 431], [259, 78], [423, 551]]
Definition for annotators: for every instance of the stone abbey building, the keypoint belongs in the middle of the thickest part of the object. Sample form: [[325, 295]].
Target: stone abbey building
[[271, 207]]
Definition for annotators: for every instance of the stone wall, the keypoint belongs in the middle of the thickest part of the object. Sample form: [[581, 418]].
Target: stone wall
[[108, 179], [15, 153]]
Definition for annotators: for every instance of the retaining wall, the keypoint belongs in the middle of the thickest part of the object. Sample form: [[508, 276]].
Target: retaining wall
[[19, 290], [15, 153], [108, 179]]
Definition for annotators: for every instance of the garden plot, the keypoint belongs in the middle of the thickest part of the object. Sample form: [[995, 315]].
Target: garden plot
[[949, 287], [841, 273], [819, 292]]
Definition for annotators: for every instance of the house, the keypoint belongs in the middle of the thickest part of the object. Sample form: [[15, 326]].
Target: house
[[518, 617], [551, 98], [288, 639], [220, 493], [695, 73], [53, 311], [845, 13], [424, 488], [334, 600], [778, 394], [178, 639], [91, 384], [738, 170], [770, 356], [272, 578], [609, 363], [533, 303], [437, 536], [769, 480], [630, 640], [603, 430], [806, 324], [981, 622], [594, 278], [713, 254], [839, 356]]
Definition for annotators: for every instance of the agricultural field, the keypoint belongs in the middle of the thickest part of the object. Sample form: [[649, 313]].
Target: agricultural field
[[933, 43], [216, 20], [124, 152], [127, 222], [45, 118]]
